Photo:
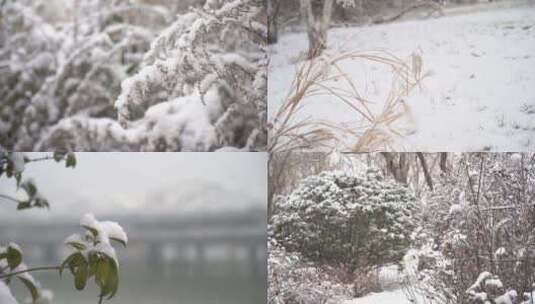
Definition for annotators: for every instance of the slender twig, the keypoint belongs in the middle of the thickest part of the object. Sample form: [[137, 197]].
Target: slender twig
[[39, 159], [8, 275], [9, 198]]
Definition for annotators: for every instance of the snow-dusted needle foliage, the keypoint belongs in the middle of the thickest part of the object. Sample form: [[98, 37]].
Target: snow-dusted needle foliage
[[338, 219]]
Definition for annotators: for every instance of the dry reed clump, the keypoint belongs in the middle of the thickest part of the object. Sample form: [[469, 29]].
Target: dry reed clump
[[377, 128]]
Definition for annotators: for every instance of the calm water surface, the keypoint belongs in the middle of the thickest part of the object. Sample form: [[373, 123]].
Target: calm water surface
[[223, 283]]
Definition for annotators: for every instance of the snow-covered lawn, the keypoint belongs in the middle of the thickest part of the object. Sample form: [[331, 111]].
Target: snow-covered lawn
[[386, 297], [480, 94]]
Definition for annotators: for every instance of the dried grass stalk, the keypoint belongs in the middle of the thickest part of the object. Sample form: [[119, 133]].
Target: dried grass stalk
[[377, 130]]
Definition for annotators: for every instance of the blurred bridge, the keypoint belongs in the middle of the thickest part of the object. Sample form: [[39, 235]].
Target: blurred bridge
[[158, 240]]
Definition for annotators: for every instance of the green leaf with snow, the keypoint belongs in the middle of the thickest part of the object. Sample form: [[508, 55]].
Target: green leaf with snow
[[58, 156], [30, 188], [14, 256], [81, 276], [31, 287], [71, 160], [107, 277]]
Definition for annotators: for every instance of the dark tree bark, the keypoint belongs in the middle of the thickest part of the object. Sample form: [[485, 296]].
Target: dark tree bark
[[273, 7], [427, 175], [397, 165], [444, 162]]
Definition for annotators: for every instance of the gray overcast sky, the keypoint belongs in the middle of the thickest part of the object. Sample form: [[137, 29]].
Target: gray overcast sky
[[144, 182]]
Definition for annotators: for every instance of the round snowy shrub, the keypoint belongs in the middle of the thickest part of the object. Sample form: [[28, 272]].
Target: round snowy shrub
[[357, 221]]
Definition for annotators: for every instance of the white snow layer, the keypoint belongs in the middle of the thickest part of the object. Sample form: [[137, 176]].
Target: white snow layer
[[386, 297], [5, 294], [106, 231], [480, 93]]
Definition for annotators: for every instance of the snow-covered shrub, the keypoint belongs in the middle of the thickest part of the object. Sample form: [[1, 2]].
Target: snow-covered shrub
[[338, 219], [27, 57], [489, 289], [292, 280], [213, 56], [481, 219], [198, 85], [92, 62]]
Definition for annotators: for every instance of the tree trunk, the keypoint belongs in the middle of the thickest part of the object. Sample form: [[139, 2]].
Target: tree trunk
[[398, 167], [317, 27], [444, 162], [427, 175], [325, 22], [273, 7]]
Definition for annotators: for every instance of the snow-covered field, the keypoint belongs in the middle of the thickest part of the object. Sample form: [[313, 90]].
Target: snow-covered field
[[480, 94], [386, 297]]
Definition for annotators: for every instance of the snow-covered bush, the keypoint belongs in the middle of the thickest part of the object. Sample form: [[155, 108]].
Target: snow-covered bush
[[94, 58], [338, 219], [489, 289], [481, 219], [27, 57], [292, 280], [215, 57], [128, 78]]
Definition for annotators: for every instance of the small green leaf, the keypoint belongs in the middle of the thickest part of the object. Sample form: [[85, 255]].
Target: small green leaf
[[80, 277], [71, 160], [92, 264], [113, 280], [93, 231], [30, 188], [102, 271], [41, 203], [107, 277], [24, 205], [31, 287], [72, 261], [77, 245], [14, 257]]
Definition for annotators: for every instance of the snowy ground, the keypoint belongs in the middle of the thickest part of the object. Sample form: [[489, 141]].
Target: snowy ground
[[386, 297], [480, 94]]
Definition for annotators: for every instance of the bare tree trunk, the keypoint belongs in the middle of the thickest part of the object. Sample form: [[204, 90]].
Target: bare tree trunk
[[427, 175], [273, 7], [325, 21], [444, 162], [317, 27], [397, 165]]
